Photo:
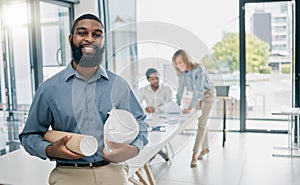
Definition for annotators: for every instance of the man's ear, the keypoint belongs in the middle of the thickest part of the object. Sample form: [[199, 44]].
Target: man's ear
[[103, 42], [70, 39]]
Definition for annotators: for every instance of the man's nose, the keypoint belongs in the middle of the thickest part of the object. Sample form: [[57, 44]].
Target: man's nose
[[89, 38]]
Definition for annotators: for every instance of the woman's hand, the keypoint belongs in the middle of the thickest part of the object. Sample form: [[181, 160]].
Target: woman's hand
[[187, 110]]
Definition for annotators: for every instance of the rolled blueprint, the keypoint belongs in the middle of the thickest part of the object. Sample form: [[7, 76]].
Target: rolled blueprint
[[120, 127], [83, 144]]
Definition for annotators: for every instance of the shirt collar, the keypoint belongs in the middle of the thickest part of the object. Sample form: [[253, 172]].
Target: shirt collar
[[70, 72], [102, 72], [188, 72]]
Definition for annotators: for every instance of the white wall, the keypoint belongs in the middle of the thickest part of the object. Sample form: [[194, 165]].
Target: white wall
[[206, 19], [86, 6]]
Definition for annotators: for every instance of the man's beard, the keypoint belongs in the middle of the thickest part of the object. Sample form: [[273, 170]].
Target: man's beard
[[154, 86], [85, 60]]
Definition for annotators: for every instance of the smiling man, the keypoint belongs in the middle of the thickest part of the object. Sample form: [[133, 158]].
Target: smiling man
[[154, 94], [78, 100], [87, 43]]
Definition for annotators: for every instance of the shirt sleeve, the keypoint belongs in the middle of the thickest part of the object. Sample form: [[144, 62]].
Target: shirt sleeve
[[168, 94], [37, 123], [198, 86], [140, 95], [126, 100], [142, 138], [180, 89]]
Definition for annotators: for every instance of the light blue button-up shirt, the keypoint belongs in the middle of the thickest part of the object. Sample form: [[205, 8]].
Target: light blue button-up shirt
[[196, 81], [67, 102]]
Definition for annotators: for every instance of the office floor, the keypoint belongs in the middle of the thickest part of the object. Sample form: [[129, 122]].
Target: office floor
[[246, 159]]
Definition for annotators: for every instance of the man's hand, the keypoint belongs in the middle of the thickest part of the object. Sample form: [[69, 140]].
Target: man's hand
[[120, 152], [59, 150], [150, 109]]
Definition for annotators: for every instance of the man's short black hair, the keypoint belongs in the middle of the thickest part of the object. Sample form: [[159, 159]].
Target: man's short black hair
[[150, 71], [84, 16]]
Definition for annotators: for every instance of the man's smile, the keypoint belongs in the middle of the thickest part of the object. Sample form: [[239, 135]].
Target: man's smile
[[88, 49]]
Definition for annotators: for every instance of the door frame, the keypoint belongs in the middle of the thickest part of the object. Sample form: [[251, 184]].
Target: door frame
[[242, 52]]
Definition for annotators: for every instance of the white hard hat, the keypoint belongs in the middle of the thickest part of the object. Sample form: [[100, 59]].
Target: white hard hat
[[120, 127]]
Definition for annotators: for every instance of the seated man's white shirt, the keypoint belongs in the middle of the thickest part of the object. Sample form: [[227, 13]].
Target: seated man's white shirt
[[156, 98]]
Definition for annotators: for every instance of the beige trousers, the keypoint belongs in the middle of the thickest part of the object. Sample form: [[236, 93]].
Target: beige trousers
[[111, 174], [208, 100]]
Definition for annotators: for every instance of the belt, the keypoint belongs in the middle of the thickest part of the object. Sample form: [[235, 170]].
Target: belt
[[96, 164]]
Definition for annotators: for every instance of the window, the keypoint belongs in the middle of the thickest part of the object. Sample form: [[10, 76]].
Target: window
[[55, 28]]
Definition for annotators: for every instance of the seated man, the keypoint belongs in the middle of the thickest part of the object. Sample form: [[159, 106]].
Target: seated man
[[154, 94]]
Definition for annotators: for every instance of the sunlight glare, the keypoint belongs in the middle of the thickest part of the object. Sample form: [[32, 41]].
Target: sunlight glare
[[16, 14]]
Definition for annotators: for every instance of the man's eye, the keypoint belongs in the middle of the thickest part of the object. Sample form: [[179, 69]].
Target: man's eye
[[98, 35], [81, 33]]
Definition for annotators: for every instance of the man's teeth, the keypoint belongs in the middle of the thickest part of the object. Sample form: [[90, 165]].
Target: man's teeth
[[88, 49]]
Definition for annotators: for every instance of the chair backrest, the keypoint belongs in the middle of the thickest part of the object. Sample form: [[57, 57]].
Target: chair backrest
[[222, 90]]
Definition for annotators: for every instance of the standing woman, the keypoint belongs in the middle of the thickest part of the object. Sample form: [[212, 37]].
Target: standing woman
[[194, 77]]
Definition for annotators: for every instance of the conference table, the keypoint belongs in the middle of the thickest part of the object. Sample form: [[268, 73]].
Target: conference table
[[290, 113], [19, 168], [174, 125]]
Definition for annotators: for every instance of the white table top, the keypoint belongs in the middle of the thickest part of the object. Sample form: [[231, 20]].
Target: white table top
[[289, 111], [157, 140], [19, 168]]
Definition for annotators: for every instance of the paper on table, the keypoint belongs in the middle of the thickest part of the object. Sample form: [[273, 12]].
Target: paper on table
[[83, 144], [170, 108]]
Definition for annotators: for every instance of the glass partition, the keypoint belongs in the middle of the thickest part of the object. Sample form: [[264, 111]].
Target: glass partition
[[16, 58], [121, 38], [269, 64], [16, 61], [16, 86], [55, 29]]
